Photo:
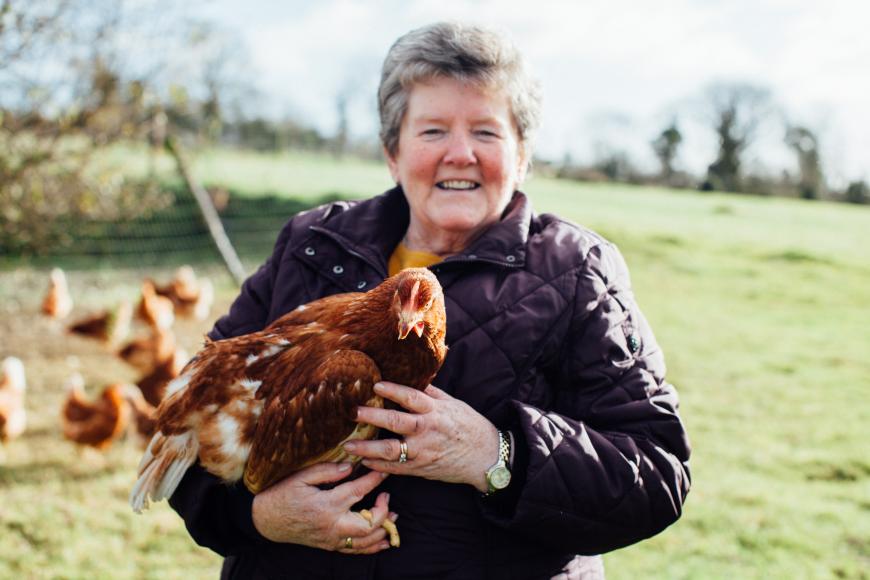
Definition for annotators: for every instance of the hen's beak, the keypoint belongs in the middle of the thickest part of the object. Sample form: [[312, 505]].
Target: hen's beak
[[409, 323]]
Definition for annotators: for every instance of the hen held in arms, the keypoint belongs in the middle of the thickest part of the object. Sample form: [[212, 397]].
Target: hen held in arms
[[262, 406]]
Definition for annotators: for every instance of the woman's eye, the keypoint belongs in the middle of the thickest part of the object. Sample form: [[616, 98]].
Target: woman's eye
[[486, 133], [432, 132]]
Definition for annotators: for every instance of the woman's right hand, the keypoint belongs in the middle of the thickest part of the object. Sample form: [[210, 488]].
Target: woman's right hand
[[296, 511]]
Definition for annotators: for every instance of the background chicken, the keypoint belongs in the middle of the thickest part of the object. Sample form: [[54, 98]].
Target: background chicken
[[143, 415], [155, 310], [154, 383], [95, 423], [57, 302], [264, 405], [109, 326], [13, 418], [191, 296], [147, 352]]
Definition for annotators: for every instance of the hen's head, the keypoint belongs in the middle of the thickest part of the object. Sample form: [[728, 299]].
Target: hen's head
[[418, 302], [58, 278], [12, 375]]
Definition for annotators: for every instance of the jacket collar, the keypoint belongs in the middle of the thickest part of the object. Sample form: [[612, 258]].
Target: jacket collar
[[372, 229]]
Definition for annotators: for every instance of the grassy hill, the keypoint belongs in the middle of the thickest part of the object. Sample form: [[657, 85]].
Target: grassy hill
[[760, 305]]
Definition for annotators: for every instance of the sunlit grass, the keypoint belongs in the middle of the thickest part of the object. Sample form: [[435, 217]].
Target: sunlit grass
[[759, 304]]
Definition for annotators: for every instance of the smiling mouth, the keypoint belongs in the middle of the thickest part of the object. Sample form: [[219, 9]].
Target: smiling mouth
[[457, 185]]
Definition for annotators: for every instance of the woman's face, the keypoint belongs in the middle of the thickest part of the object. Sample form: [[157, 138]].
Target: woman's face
[[459, 159]]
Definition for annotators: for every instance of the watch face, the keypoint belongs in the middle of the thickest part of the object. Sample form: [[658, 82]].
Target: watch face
[[500, 477]]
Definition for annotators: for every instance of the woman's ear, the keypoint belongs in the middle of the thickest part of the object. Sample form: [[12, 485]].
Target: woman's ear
[[392, 164], [522, 166]]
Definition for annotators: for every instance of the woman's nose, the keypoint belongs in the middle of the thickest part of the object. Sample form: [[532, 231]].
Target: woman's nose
[[460, 150]]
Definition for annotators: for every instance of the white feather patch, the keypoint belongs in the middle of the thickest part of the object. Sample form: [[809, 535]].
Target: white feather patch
[[272, 350], [179, 383], [229, 430], [250, 384]]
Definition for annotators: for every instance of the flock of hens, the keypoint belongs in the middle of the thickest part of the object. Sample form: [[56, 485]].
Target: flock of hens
[[257, 407], [121, 407]]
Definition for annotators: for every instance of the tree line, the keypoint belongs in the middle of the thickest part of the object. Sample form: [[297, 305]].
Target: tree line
[[79, 76], [733, 113]]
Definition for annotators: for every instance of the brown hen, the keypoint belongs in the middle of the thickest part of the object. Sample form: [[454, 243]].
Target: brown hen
[[146, 352], [13, 418], [153, 384], [57, 302], [155, 310], [191, 296], [109, 326], [144, 417], [261, 406], [95, 423]]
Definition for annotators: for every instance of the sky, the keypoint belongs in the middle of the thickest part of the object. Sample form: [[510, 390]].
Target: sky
[[614, 74]]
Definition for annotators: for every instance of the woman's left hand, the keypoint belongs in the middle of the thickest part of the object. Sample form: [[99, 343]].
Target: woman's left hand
[[446, 439]]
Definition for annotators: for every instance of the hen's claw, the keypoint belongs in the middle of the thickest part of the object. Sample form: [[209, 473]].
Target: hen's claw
[[387, 525]]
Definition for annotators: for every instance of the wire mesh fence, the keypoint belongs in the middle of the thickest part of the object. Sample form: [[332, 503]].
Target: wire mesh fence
[[172, 235]]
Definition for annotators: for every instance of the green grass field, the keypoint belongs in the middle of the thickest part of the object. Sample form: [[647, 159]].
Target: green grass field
[[761, 306]]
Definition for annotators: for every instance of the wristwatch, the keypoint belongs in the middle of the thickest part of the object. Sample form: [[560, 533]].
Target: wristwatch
[[498, 476]]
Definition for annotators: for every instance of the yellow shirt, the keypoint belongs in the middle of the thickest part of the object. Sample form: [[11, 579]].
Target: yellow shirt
[[405, 258]]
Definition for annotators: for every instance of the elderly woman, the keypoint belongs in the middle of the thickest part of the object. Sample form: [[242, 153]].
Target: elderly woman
[[550, 435]]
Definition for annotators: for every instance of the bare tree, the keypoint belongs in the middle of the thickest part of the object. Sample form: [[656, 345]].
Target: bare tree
[[77, 76], [665, 147], [857, 192], [804, 143], [340, 141], [735, 110]]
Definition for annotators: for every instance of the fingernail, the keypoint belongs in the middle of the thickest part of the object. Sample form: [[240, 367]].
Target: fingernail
[[384, 545], [393, 517], [384, 475], [344, 466], [379, 387], [386, 496], [350, 446]]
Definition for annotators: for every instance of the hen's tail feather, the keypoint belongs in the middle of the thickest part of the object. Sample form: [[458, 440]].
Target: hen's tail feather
[[163, 465]]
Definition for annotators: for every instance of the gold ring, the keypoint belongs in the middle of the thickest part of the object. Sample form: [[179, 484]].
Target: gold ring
[[403, 451], [348, 543]]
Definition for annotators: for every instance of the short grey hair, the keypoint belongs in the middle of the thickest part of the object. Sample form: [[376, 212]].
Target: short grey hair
[[462, 52]]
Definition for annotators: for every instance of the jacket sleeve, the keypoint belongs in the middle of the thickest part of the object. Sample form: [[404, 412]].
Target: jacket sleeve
[[607, 464], [218, 516]]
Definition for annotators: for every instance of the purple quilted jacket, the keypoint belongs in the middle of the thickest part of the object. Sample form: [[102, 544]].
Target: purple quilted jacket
[[545, 340]]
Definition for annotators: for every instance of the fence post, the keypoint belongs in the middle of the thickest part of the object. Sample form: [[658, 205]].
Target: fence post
[[209, 213]]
